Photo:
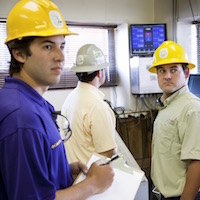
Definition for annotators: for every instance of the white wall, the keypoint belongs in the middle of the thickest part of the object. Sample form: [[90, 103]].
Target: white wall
[[186, 31], [114, 11], [123, 90], [118, 12], [163, 12]]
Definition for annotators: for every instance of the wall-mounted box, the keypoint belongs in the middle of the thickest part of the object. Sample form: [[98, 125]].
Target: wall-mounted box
[[142, 81]]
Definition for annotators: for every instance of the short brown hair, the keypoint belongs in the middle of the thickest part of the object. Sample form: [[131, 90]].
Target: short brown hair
[[23, 45], [85, 77]]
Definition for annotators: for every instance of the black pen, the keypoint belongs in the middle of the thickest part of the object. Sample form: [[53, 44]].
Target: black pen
[[112, 159]]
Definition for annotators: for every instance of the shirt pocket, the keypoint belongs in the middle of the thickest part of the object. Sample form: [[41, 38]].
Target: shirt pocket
[[165, 137]]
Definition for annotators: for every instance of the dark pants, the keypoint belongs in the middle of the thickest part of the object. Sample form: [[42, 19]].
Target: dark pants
[[178, 198]]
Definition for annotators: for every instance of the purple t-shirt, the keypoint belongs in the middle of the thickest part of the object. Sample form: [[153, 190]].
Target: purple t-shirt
[[33, 163]]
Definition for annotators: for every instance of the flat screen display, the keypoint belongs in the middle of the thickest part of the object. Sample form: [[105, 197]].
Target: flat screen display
[[194, 84], [145, 38]]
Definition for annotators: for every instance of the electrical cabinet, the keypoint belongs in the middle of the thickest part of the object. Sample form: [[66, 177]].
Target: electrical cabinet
[[142, 81]]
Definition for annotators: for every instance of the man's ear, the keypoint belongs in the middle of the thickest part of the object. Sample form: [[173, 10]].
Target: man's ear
[[187, 72], [19, 55], [99, 73]]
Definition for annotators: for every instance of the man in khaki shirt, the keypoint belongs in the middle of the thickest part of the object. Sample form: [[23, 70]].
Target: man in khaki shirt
[[175, 168]]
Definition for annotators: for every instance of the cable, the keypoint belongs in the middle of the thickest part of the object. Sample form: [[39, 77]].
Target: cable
[[194, 21], [192, 10], [145, 104], [141, 105], [150, 103]]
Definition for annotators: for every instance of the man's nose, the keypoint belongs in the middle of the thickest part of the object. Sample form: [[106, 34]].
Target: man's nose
[[59, 55], [167, 74]]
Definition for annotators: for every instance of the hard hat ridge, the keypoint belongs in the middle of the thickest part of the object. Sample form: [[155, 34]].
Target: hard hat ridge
[[89, 59]]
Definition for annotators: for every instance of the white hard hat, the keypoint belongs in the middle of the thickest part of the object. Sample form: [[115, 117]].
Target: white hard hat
[[89, 58]]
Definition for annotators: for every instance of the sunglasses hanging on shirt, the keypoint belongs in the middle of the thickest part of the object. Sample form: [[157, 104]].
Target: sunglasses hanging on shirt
[[63, 125]]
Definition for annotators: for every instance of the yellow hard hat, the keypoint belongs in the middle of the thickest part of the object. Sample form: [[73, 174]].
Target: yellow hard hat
[[35, 18], [169, 52]]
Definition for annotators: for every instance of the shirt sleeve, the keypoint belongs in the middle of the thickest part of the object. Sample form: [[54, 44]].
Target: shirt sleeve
[[189, 131]]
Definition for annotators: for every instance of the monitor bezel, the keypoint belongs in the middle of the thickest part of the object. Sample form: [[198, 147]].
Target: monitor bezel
[[145, 52]]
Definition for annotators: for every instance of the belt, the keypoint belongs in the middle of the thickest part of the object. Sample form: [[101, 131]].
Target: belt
[[170, 198], [161, 197], [178, 198]]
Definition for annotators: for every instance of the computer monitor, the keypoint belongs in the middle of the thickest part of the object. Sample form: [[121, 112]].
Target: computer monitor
[[194, 84], [145, 38]]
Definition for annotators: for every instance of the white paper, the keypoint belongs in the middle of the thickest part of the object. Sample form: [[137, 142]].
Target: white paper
[[124, 186]]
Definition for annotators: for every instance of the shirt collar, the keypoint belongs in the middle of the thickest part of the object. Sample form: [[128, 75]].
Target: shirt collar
[[26, 89], [92, 88], [171, 98]]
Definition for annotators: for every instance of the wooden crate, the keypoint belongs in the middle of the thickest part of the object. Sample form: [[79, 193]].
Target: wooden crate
[[136, 134]]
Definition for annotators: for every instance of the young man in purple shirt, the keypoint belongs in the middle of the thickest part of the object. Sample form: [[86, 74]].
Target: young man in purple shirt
[[33, 160]]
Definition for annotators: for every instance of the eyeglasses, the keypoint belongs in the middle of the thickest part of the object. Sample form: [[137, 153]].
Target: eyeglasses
[[63, 125]]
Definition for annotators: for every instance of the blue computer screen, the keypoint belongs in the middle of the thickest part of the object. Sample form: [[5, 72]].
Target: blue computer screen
[[194, 84], [145, 38]]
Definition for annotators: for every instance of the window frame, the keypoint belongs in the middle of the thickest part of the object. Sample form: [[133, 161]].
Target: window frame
[[198, 47], [68, 79]]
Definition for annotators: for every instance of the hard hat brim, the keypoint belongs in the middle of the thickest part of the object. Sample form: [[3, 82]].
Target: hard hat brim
[[48, 33], [169, 52], [153, 69], [88, 68]]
